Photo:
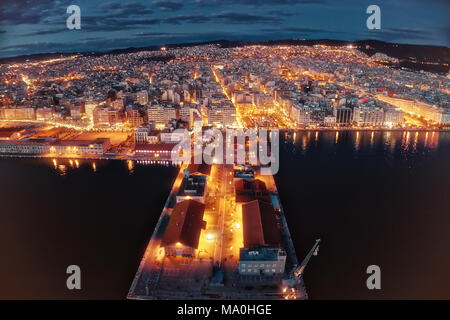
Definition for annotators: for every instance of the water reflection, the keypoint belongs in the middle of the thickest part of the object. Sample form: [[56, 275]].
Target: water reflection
[[357, 141], [402, 141], [63, 166], [62, 169], [130, 166], [416, 139]]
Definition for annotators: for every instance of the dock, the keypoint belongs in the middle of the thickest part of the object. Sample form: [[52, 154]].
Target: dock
[[183, 278]]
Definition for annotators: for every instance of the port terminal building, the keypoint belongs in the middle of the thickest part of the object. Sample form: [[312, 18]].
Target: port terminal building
[[262, 253]]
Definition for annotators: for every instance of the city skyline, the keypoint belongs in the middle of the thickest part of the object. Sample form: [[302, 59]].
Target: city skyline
[[40, 26]]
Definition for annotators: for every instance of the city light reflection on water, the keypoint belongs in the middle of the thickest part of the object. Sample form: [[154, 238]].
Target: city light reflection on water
[[381, 203], [64, 166], [408, 141], [377, 197]]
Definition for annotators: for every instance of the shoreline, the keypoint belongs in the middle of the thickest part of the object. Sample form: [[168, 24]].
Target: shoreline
[[168, 160]]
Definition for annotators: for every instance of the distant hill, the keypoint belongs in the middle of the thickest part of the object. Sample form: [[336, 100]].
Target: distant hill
[[416, 57]]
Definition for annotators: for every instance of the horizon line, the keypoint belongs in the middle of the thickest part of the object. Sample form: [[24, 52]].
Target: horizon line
[[193, 43]]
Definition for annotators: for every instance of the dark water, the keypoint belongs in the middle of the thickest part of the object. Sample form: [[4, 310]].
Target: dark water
[[380, 200], [100, 221], [383, 200]]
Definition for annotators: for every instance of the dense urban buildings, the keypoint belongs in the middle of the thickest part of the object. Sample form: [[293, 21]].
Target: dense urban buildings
[[263, 86]]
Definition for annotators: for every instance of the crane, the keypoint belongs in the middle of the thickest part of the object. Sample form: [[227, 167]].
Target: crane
[[297, 271]]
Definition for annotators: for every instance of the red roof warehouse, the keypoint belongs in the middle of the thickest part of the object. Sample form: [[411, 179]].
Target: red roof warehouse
[[183, 231], [260, 225]]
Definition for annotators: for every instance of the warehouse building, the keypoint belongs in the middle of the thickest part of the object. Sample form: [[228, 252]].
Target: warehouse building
[[182, 234]]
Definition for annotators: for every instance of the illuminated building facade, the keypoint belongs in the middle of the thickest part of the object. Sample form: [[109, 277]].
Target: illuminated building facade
[[192, 187], [393, 116], [223, 114], [262, 253], [142, 97], [19, 113], [80, 147], [344, 116], [44, 114], [156, 151], [261, 261], [143, 134], [301, 115], [55, 147], [105, 116], [368, 116], [418, 108]]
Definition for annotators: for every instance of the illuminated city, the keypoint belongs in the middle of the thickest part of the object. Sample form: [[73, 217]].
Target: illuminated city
[[128, 106], [144, 158]]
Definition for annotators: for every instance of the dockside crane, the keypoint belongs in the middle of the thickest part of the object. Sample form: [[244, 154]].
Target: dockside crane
[[294, 277], [298, 271]]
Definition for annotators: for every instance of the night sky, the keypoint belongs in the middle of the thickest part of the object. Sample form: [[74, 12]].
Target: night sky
[[37, 26]]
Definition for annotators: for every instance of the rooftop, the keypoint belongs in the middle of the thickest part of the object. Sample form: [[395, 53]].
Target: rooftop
[[199, 169], [260, 225], [248, 190], [192, 185], [260, 254], [185, 224], [155, 146]]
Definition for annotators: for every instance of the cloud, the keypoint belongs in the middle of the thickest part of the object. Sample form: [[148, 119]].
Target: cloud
[[43, 32], [257, 2], [189, 18], [53, 12], [134, 40], [103, 21], [280, 13], [405, 31], [168, 5], [243, 18], [16, 12], [222, 17], [295, 30], [114, 16], [446, 33], [117, 9]]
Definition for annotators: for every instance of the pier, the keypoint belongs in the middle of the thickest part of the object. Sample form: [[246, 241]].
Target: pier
[[213, 272]]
